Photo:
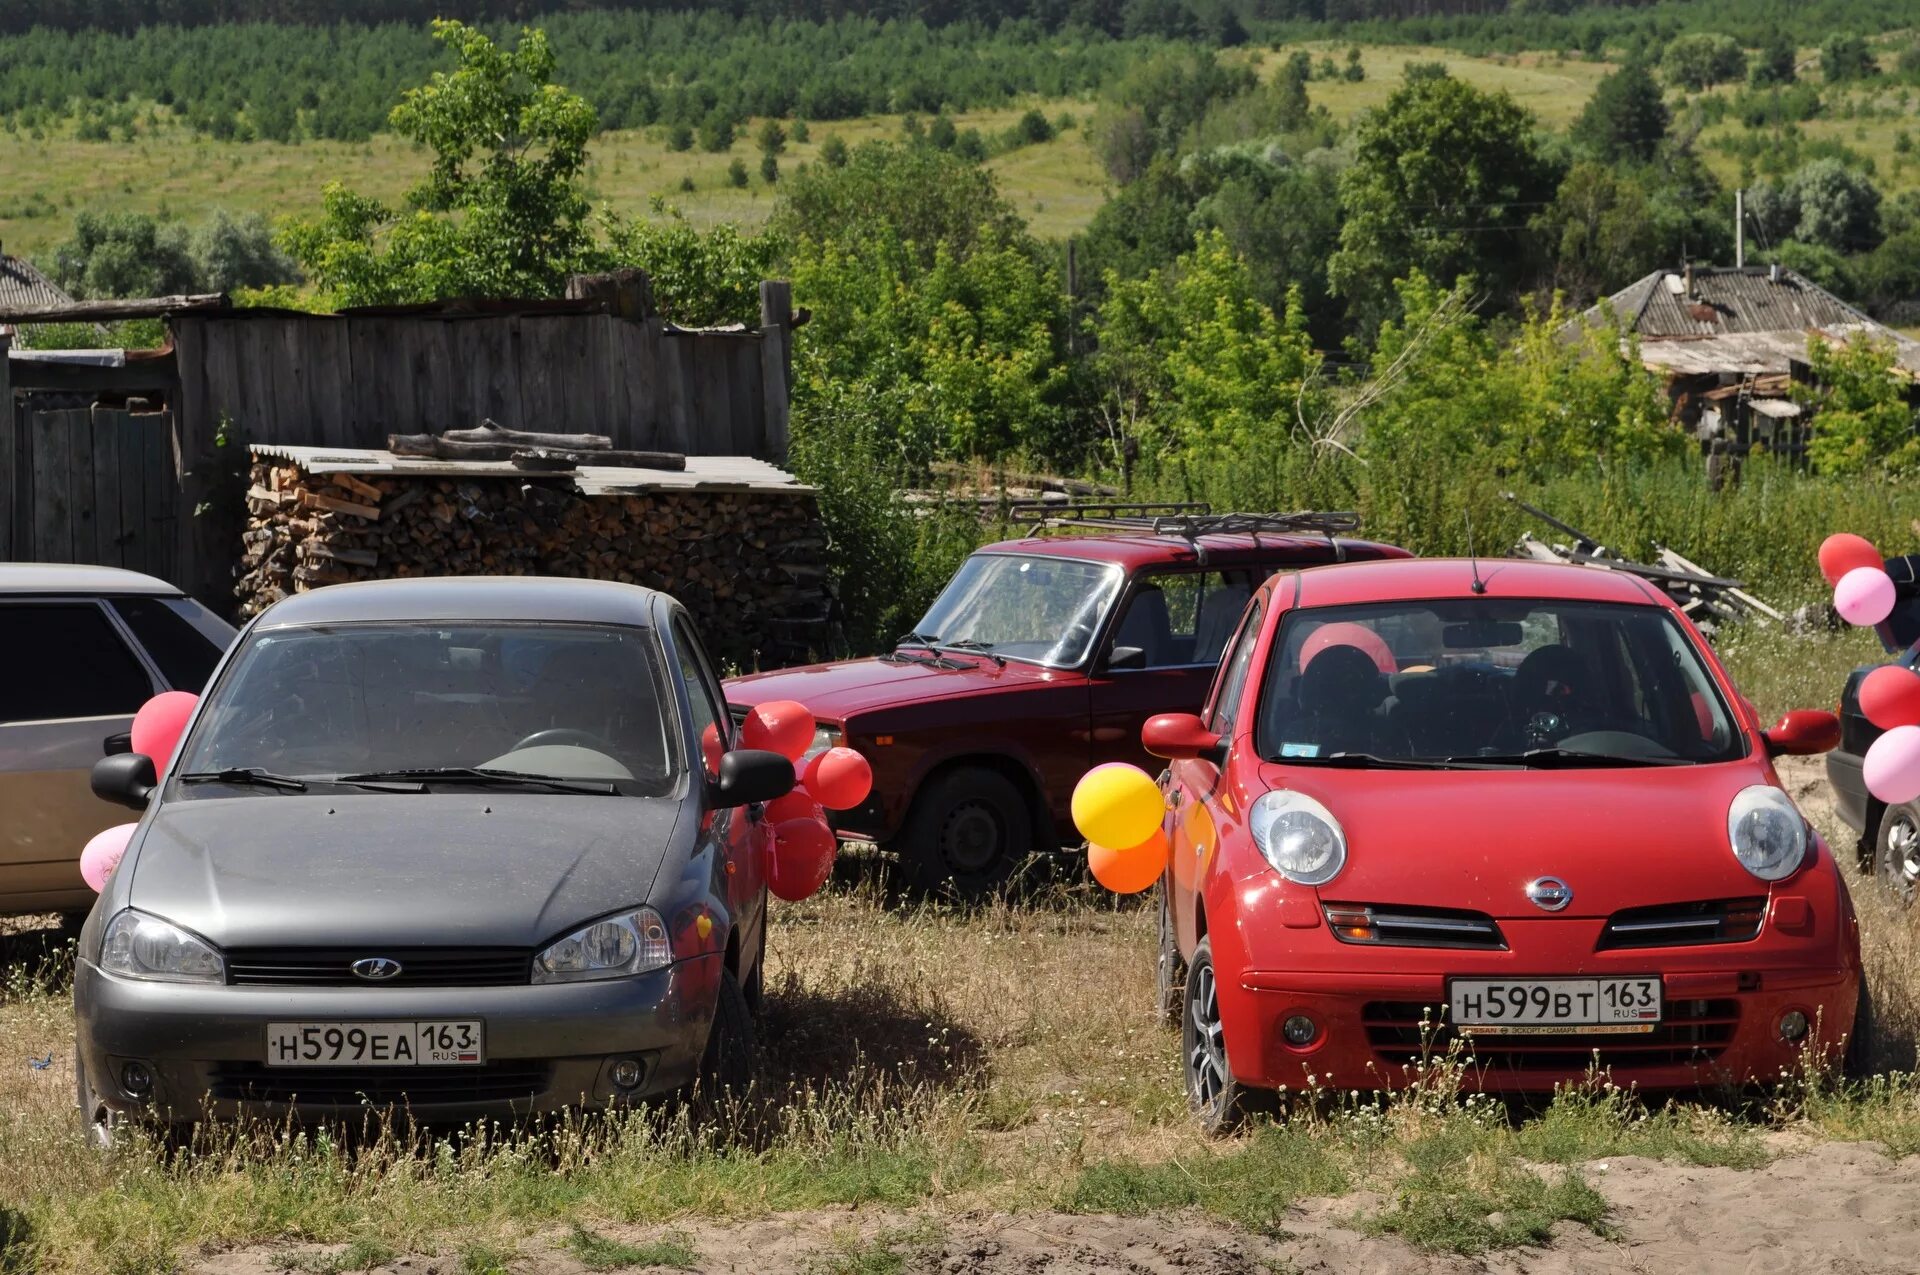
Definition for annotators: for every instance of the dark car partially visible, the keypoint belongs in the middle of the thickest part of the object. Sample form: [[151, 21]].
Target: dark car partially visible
[[1889, 835]]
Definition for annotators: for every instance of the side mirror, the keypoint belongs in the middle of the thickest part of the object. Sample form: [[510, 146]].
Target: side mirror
[[1181, 737], [749, 776], [1127, 657], [1804, 731], [114, 745], [126, 779]]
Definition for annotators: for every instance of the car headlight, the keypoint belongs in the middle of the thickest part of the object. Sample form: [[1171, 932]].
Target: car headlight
[[824, 737], [612, 947], [145, 947], [1767, 832], [1299, 837]]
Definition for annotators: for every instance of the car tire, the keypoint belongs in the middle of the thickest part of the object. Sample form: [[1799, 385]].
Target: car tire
[[102, 1126], [968, 831], [1857, 1062], [731, 1062], [1217, 1100], [1170, 972], [1896, 850]]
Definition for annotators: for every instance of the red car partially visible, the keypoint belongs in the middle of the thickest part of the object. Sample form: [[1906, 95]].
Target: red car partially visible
[[1511, 818]]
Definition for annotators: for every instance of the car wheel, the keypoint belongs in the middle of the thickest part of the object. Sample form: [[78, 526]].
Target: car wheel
[[732, 1059], [1857, 1062], [968, 831], [1217, 1099], [1170, 973], [1896, 852], [102, 1126]]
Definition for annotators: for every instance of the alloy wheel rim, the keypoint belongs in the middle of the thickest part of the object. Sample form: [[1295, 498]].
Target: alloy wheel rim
[[1207, 1056], [1900, 866], [971, 839]]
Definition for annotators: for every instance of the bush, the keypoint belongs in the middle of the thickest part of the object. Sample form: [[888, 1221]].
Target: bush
[[1034, 128], [737, 172], [1845, 57], [1703, 60]]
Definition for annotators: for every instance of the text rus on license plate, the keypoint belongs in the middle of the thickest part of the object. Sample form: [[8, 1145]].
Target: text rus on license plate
[[422, 1043], [1538, 1005]]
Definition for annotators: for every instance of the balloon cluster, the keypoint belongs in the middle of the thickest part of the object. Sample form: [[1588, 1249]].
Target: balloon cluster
[[1863, 594], [1119, 810], [800, 859], [156, 732]]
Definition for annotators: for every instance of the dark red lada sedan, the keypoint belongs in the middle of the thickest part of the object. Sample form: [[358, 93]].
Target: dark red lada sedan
[[1041, 658]]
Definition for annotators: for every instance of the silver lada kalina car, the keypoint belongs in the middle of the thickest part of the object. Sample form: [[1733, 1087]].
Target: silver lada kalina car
[[448, 845]]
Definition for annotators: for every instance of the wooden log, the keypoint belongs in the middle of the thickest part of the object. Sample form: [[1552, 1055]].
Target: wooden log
[[368, 491], [112, 311], [488, 432], [314, 500]]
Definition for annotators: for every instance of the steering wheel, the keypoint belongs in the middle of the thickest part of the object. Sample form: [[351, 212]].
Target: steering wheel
[[565, 735]]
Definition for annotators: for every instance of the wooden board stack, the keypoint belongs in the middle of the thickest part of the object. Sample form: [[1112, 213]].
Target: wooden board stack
[[749, 565]]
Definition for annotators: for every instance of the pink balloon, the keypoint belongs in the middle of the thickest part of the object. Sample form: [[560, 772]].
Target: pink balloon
[[1892, 766], [839, 778], [1347, 633], [158, 725], [1864, 596], [102, 855]]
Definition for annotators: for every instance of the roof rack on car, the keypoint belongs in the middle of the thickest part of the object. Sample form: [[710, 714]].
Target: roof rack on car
[[1192, 521]]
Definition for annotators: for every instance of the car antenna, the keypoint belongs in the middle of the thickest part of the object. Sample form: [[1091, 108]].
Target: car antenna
[[1479, 585]]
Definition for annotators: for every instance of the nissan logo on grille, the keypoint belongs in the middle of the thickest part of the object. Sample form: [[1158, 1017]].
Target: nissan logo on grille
[[1550, 893], [375, 969]]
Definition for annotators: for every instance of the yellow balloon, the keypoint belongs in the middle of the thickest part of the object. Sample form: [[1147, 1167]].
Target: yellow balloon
[[1131, 870], [1117, 805]]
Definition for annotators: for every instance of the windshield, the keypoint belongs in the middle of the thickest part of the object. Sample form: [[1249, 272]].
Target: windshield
[[557, 700], [1541, 681], [1041, 610]]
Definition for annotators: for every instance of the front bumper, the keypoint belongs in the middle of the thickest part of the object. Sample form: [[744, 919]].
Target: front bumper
[[548, 1048]]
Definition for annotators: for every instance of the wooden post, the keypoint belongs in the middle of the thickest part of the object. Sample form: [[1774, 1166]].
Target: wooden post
[[776, 363], [9, 463], [627, 292]]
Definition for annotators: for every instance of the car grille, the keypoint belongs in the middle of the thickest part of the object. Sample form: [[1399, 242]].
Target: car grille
[[1693, 1032], [1398, 926], [1685, 924], [366, 1086], [419, 966]]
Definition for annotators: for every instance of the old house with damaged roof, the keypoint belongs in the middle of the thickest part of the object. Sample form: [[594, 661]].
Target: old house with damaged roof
[[1731, 344], [24, 288]]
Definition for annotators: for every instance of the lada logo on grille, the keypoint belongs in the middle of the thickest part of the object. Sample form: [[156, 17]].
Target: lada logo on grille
[[375, 969], [1550, 893]]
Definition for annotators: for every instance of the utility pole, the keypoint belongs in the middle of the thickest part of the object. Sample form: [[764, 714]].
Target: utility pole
[[1740, 229]]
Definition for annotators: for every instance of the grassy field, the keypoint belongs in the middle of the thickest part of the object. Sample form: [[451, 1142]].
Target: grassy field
[[935, 1064]]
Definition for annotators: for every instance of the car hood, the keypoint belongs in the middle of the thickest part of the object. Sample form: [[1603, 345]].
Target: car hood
[[493, 869], [1474, 839], [841, 690]]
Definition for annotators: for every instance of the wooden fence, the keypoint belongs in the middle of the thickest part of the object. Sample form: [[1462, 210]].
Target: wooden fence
[[90, 485]]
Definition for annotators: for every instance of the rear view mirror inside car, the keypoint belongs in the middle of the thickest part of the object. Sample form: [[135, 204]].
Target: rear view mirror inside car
[[1481, 634]]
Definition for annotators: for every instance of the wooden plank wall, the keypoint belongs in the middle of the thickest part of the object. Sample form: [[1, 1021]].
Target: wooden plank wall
[[92, 485]]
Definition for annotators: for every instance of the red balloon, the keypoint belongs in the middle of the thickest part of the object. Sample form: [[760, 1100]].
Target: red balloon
[[711, 749], [840, 778], [1347, 633], [158, 725], [1843, 551], [798, 804], [1890, 697], [803, 851], [780, 726]]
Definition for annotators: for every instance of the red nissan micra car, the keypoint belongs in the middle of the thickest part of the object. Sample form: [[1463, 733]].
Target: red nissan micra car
[[1512, 814]]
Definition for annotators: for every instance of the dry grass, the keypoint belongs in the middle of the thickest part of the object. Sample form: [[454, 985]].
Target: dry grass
[[929, 1060]]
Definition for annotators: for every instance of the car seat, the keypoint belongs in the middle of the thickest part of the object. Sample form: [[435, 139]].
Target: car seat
[[1220, 612], [1338, 696], [1146, 625]]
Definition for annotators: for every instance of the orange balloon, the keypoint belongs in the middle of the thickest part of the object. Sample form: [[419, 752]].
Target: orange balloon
[[781, 726], [1131, 870]]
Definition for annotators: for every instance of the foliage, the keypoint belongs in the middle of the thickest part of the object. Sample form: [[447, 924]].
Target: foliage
[[1824, 203], [700, 278], [239, 253], [1444, 181], [1863, 419], [1845, 56], [1775, 62], [126, 255], [1704, 59], [1190, 359], [1151, 108], [501, 212], [1612, 224], [1625, 119]]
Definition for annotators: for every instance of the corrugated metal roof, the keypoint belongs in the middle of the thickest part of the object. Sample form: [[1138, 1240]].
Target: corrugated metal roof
[[703, 473], [22, 287], [1718, 320]]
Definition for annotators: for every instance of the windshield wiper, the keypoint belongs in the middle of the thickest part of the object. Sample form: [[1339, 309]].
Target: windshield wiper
[[1551, 758], [484, 776], [973, 647], [915, 639], [252, 776], [1368, 761]]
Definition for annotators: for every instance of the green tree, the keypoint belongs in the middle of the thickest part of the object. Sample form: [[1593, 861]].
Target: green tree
[[737, 172], [1844, 57], [1603, 231], [833, 151], [769, 167], [680, 136], [500, 213], [1704, 59], [1775, 63], [1861, 418], [1824, 203], [700, 278], [1625, 119], [771, 138], [941, 134], [1445, 180], [1355, 70], [126, 255], [234, 253], [716, 131]]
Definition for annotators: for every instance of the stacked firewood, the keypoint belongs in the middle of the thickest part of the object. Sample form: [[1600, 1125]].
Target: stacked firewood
[[749, 565]]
